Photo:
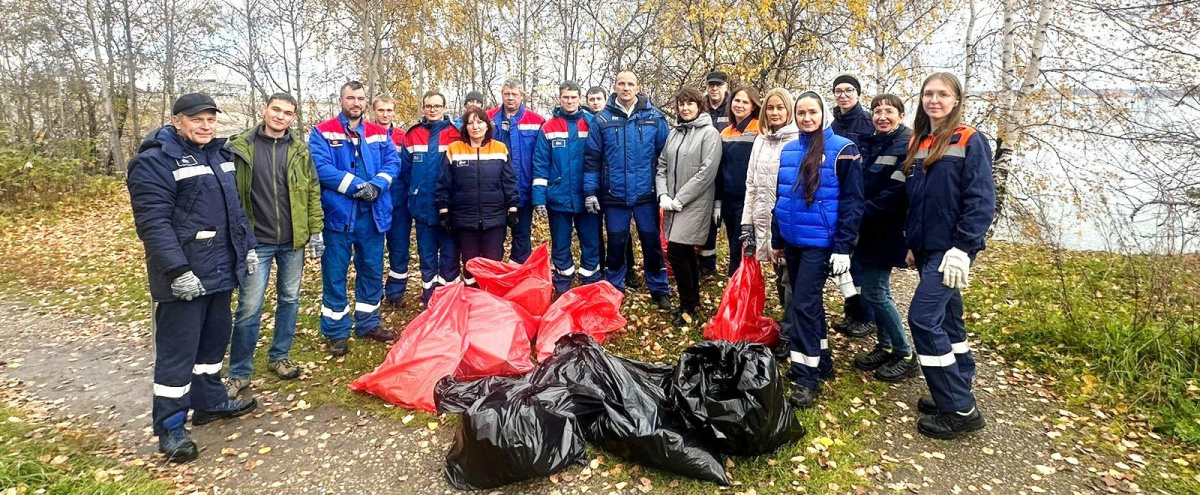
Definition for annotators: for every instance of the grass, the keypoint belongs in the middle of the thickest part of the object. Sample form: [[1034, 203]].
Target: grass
[[39, 459]]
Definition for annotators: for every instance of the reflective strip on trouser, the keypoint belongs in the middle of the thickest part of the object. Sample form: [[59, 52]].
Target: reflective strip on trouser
[[586, 227], [438, 254], [190, 338], [809, 347], [363, 246], [708, 251], [521, 235], [399, 250], [940, 339], [616, 223]]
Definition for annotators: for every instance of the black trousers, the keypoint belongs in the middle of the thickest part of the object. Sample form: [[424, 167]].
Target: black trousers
[[473, 243], [190, 338], [686, 265]]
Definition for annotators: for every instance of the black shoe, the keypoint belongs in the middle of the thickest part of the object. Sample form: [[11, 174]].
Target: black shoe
[[663, 301], [947, 426], [829, 375], [926, 405], [870, 361], [782, 350], [231, 408], [707, 272], [339, 347], [841, 325], [898, 369], [802, 397], [680, 320], [632, 281], [860, 329], [178, 446], [378, 334]]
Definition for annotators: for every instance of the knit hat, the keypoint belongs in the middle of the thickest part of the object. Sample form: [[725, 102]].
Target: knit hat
[[848, 79], [474, 95]]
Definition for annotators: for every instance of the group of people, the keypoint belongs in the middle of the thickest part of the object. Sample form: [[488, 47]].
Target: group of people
[[815, 190]]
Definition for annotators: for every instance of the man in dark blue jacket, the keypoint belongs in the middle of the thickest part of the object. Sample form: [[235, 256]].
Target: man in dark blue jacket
[[198, 248], [597, 99], [853, 122], [619, 168], [518, 128], [716, 90]]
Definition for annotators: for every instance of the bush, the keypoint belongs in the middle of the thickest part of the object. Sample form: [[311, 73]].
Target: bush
[[28, 178]]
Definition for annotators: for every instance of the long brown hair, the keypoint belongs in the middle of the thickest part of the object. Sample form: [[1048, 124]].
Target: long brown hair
[[810, 167], [923, 125], [755, 104], [482, 115]]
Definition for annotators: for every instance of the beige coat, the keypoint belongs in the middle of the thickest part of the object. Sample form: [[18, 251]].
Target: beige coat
[[687, 171], [762, 178]]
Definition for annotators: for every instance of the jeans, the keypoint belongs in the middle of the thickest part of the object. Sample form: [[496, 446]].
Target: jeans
[[877, 292], [248, 318]]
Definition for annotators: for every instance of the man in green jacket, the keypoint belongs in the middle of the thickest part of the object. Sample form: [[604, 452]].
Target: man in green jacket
[[278, 187]]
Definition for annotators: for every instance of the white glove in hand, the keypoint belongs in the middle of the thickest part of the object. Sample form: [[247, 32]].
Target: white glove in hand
[[676, 205], [187, 286], [839, 263], [316, 246], [717, 212], [665, 203], [592, 204], [251, 262], [955, 269]]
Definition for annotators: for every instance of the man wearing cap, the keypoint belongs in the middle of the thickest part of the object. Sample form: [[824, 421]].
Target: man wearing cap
[[853, 122], [399, 240], [716, 86], [473, 99], [356, 164], [518, 128], [198, 250]]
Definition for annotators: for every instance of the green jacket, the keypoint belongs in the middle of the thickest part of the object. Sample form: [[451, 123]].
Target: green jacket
[[303, 189]]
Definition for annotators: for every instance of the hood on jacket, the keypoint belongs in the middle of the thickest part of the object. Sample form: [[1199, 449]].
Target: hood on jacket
[[826, 113], [704, 119]]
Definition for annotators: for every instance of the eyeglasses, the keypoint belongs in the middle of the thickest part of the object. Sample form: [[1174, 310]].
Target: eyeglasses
[[942, 96], [434, 107], [844, 92]]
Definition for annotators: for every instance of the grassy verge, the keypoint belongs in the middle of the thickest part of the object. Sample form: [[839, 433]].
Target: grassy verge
[[39, 459]]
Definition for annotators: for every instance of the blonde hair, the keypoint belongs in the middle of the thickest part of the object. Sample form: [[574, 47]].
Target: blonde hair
[[788, 102]]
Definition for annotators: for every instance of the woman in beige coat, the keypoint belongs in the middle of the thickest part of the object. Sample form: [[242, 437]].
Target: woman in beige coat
[[686, 185]]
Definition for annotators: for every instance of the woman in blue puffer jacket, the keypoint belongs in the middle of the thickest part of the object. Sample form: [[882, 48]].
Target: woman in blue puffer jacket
[[816, 219]]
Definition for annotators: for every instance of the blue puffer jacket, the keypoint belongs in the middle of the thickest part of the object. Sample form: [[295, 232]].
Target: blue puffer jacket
[[519, 133], [425, 144], [333, 146], [831, 221], [187, 213], [622, 153], [853, 125], [953, 203], [881, 237], [476, 185], [558, 161]]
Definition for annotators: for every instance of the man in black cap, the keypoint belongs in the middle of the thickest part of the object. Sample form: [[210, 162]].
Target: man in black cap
[[198, 250], [853, 122], [717, 91], [473, 99]]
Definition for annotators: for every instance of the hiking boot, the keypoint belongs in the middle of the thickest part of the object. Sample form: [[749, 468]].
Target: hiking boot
[[378, 334], [947, 426], [860, 329], [231, 408], [175, 442], [284, 369], [802, 397], [898, 369], [926, 405], [339, 347], [663, 301], [870, 361], [782, 350], [235, 386]]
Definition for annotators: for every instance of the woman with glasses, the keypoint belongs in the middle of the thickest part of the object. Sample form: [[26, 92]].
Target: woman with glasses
[[952, 202]]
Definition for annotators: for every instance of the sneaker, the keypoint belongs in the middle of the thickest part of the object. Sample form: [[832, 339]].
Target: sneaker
[[870, 361], [948, 426], [926, 405], [175, 442], [898, 369], [339, 347], [802, 397], [284, 369], [235, 386], [231, 408], [860, 329], [663, 301], [378, 334]]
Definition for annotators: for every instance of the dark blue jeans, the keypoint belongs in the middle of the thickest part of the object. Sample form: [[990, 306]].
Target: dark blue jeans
[[877, 292], [248, 318]]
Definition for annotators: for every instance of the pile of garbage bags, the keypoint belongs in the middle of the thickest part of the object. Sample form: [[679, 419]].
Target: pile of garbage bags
[[722, 399]]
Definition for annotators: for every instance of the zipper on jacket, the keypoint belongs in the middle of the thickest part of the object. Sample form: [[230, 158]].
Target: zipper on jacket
[[275, 185], [479, 186]]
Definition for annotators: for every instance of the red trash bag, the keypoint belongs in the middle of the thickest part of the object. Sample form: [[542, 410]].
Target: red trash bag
[[527, 284], [662, 237], [593, 309], [740, 315], [465, 332]]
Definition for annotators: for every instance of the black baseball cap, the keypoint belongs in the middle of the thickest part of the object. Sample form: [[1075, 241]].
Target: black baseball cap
[[716, 76], [193, 103]]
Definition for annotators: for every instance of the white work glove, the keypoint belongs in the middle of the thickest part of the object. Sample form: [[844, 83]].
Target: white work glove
[[592, 204], [540, 211], [665, 203], [955, 269], [187, 286], [717, 212], [251, 262], [316, 246], [677, 204], [839, 263]]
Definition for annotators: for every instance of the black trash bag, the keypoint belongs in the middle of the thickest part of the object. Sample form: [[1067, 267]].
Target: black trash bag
[[515, 432], [451, 396], [623, 407], [734, 394]]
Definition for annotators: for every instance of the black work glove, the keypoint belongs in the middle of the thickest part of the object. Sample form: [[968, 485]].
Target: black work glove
[[749, 243], [444, 219], [367, 192], [512, 219]]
